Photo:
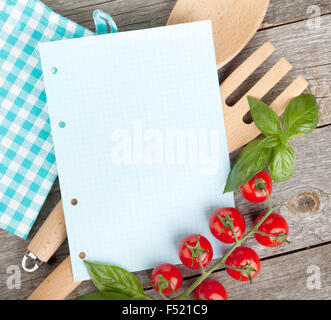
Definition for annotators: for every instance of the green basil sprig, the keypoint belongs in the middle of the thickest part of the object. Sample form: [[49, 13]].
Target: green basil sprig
[[300, 117], [113, 283]]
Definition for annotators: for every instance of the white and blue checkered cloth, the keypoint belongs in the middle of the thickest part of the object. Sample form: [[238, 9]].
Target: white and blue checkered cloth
[[27, 160]]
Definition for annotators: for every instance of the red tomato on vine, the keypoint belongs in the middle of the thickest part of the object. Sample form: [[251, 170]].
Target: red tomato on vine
[[195, 251], [273, 232], [225, 223], [243, 264], [254, 189], [210, 290], [166, 278]]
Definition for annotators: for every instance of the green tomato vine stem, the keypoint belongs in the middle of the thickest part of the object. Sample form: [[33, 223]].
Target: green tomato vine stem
[[221, 262]]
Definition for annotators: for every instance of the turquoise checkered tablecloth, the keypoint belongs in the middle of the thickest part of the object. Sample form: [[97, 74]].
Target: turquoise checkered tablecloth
[[27, 160]]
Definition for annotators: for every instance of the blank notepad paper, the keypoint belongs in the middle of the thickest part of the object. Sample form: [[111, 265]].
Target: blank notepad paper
[[139, 141]]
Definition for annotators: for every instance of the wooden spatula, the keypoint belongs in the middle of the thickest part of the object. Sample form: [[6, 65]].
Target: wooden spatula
[[234, 24], [60, 282], [238, 132]]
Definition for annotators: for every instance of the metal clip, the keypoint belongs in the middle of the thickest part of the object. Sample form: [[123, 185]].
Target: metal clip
[[31, 256]]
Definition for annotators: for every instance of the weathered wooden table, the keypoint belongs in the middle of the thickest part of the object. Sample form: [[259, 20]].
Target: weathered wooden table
[[301, 31]]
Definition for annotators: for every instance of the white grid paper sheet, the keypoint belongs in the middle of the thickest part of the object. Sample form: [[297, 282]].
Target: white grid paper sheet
[[135, 87]]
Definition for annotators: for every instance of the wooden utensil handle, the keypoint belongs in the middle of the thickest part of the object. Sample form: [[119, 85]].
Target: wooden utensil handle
[[50, 236], [58, 285]]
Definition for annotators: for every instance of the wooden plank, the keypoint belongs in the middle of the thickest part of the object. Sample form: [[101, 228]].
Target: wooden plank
[[283, 277], [279, 11], [130, 17], [125, 12], [284, 12], [304, 201]]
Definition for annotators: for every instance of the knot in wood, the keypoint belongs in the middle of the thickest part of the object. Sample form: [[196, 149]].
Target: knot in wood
[[305, 202]]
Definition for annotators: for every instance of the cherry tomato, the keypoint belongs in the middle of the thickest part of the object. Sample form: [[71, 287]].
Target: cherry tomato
[[276, 226], [210, 290], [252, 191], [166, 278], [246, 260], [191, 248], [221, 222]]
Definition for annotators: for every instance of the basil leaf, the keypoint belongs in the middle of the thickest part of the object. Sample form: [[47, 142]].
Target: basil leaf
[[264, 117], [301, 115], [249, 148], [104, 295], [270, 142], [115, 279], [251, 161], [285, 136], [282, 163]]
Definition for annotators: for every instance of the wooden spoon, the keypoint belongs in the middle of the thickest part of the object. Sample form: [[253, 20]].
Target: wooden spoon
[[234, 22]]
